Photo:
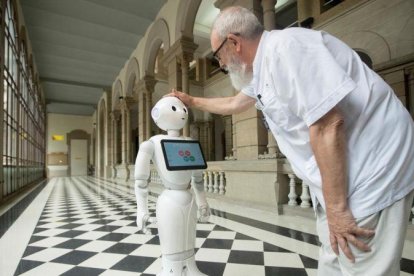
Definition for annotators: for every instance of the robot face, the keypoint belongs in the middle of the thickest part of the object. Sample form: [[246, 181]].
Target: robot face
[[169, 113]]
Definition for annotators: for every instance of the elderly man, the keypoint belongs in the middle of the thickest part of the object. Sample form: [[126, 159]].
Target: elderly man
[[339, 124]]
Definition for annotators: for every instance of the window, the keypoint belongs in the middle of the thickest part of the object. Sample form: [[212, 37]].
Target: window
[[24, 114]]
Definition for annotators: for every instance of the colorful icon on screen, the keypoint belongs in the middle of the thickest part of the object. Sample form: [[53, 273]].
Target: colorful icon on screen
[[186, 155]]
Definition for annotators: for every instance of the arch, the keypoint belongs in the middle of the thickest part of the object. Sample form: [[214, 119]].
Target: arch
[[405, 40], [102, 137], [364, 57], [185, 24], [371, 43], [131, 76], [157, 35], [117, 92]]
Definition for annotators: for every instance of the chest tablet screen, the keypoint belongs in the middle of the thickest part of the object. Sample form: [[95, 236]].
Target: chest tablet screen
[[183, 155]]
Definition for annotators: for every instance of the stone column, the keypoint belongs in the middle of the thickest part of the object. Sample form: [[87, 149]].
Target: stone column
[[253, 5], [186, 58], [148, 107], [129, 102], [145, 89], [180, 53], [269, 15], [269, 22], [308, 9], [123, 126], [125, 163], [114, 120], [141, 115]]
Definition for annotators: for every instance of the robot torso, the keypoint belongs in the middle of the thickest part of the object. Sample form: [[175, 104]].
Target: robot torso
[[176, 180]]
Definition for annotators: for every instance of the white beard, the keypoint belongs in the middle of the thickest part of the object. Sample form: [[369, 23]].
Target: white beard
[[239, 75]]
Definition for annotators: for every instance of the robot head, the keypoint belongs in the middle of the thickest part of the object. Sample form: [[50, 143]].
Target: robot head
[[169, 113]]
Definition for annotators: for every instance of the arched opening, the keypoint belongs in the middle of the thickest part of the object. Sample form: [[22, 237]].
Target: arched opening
[[365, 58]]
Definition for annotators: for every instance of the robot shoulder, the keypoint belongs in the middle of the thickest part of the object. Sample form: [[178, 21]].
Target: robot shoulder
[[147, 146]]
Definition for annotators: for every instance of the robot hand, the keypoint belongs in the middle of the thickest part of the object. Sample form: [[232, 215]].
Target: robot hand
[[204, 212], [143, 219]]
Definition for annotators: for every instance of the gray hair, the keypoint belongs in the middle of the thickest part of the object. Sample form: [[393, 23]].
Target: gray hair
[[237, 20]]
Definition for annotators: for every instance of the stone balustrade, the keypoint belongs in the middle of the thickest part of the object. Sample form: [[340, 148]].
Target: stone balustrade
[[293, 197], [270, 183], [214, 181], [154, 177]]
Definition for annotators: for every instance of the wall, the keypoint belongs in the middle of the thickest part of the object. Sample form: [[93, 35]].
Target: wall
[[60, 124], [382, 28]]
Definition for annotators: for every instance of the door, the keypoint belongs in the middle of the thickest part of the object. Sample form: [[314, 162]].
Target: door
[[78, 157]]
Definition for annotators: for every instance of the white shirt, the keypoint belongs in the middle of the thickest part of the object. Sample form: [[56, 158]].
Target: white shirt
[[298, 76]]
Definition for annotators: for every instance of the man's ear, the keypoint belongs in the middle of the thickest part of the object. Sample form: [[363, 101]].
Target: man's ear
[[235, 40]]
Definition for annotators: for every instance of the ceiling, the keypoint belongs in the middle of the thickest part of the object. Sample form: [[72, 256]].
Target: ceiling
[[80, 46]]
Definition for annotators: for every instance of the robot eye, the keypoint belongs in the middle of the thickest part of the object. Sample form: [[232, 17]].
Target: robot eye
[[185, 110], [174, 108]]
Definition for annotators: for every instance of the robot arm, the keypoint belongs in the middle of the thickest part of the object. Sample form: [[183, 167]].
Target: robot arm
[[198, 188], [142, 173]]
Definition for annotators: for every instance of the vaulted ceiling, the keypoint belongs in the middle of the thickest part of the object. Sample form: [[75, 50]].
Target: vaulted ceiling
[[80, 46]]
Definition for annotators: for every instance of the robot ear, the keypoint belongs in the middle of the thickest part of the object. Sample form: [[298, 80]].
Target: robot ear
[[155, 113]]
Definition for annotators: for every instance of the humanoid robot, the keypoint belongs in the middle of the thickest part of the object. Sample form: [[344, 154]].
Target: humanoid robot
[[176, 211]]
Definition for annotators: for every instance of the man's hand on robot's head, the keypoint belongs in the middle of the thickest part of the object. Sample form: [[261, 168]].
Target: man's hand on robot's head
[[185, 98]]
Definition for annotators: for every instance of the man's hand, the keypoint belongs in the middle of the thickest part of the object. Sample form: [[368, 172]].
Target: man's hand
[[185, 98], [343, 230]]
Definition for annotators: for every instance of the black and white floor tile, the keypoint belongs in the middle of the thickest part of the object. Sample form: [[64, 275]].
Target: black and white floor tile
[[86, 226]]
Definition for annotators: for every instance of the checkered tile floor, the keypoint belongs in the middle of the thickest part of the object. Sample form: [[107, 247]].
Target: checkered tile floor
[[87, 227]]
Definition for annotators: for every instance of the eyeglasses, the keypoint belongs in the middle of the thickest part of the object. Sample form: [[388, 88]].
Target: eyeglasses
[[216, 56]]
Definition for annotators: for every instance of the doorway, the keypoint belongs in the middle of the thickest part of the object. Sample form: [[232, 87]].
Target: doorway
[[78, 157]]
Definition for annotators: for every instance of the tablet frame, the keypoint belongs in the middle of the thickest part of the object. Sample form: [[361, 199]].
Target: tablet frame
[[182, 168]]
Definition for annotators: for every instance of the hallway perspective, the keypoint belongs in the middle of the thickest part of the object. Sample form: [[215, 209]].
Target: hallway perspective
[[86, 226]]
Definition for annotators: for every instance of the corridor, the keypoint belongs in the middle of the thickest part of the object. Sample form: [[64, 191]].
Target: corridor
[[86, 226]]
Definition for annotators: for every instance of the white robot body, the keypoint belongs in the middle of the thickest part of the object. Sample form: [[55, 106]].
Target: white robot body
[[176, 210]]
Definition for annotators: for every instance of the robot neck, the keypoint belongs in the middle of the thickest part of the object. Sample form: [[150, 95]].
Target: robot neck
[[173, 132]]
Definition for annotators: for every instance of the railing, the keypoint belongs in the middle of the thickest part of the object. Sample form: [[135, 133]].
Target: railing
[[293, 197], [293, 193], [154, 177], [214, 182]]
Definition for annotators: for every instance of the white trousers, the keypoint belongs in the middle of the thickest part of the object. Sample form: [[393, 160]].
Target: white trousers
[[390, 226]]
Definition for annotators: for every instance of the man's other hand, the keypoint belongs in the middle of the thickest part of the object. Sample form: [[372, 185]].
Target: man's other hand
[[344, 230]]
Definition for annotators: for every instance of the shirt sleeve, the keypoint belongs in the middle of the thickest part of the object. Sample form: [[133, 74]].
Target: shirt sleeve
[[249, 90], [310, 79]]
